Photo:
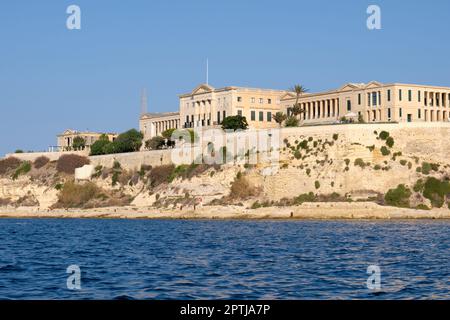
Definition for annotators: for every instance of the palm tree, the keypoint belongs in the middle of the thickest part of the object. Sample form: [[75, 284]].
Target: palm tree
[[299, 91], [279, 117]]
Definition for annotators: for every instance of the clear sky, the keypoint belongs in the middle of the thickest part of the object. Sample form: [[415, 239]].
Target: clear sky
[[52, 78]]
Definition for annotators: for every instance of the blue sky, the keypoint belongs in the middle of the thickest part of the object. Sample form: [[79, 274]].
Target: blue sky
[[52, 78]]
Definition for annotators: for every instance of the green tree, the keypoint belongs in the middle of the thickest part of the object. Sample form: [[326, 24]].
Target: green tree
[[398, 197], [78, 143], [291, 122], [155, 143], [279, 117], [98, 147], [299, 91], [129, 141], [234, 123]]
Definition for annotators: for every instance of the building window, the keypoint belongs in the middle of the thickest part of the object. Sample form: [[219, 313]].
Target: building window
[[253, 100], [239, 99], [224, 114], [261, 116], [419, 96], [368, 99], [269, 116], [400, 112], [261, 100], [349, 105], [239, 113], [218, 117], [389, 113], [269, 101], [374, 98], [409, 95], [389, 95], [359, 99], [400, 94], [419, 114], [253, 115]]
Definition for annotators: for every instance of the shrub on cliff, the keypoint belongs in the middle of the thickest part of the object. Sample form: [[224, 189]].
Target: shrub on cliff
[[385, 151], [241, 188], [384, 135], [10, 163], [40, 162], [436, 191], [390, 142], [24, 168], [69, 162], [161, 174], [398, 197], [74, 195]]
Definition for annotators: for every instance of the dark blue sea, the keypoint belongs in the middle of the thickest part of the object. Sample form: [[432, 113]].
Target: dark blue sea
[[152, 259]]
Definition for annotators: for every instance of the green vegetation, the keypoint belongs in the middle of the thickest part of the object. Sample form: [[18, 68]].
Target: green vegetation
[[385, 151], [398, 197], [436, 191], [160, 174], [129, 141], [78, 143], [291, 122], [297, 155], [98, 146], [390, 142], [360, 163], [155, 143], [422, 207], [24, 168], [18, 151], [235, 123], [74, 195], [383, 135], [419, 186], [377, 167], [279, 118], [371, 148], [403, 162], [69, 162], [317, 184]]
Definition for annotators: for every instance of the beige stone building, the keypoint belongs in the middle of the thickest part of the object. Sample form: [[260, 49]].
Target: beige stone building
[[373, 102], [153, 124], [65, 139], [206, 106]]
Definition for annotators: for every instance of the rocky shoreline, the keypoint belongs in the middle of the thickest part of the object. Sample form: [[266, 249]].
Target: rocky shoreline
[[312, 211]]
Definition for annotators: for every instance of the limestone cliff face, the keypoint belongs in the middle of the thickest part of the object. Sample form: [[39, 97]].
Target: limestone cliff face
[[27, 193], [349, 160]]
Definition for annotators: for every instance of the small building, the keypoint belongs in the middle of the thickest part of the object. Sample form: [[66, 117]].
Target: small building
[[153, 124], [65, 139]]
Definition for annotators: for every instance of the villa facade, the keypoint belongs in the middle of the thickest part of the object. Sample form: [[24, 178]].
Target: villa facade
[[65, 139], [373, 102]]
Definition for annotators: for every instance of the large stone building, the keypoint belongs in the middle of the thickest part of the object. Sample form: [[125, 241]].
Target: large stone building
[[374, 102], [207, 106]]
